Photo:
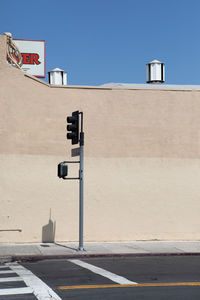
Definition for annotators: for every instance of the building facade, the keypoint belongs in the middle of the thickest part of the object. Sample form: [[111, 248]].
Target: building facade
[[142, 161]]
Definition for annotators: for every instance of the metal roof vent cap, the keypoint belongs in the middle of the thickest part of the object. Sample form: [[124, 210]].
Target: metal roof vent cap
[[58, 77], [155, 72]]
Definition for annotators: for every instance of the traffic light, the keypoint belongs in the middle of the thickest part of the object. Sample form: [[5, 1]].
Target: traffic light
[[73, 128], [62, 170]]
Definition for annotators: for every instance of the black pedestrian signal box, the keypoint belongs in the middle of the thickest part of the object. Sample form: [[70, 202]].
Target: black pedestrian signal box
[[73, 128], [62, 170]]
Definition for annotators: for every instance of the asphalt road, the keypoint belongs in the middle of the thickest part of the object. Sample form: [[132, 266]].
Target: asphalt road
[[157, 277]]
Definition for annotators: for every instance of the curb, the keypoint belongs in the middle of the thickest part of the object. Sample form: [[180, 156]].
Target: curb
[[35, 258], [5, 259]]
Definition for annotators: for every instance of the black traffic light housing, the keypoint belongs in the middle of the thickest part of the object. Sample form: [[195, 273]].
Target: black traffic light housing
[[73, 128], [62, 170]]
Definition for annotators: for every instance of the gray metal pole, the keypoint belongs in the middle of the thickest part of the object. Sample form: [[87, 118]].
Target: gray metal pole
[[81, 181]]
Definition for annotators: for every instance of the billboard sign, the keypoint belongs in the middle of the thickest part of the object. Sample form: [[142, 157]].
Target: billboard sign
[[33, 54]]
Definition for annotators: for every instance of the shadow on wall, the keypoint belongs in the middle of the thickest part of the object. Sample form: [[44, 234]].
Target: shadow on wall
[[48, 231]]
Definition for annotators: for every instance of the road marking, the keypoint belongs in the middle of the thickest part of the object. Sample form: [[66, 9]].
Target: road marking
[[6, 272], [40, 289], [7, 279], [104, 286], [114, 277], [16, 291]]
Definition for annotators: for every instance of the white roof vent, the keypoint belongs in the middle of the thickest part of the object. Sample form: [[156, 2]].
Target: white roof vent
[[58, 77], [155, 72]]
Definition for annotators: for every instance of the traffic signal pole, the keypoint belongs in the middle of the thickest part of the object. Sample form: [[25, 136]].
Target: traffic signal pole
[[81, 186], [76, 137]]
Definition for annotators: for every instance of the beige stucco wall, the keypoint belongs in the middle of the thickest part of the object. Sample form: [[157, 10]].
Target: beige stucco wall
[[142, 161]]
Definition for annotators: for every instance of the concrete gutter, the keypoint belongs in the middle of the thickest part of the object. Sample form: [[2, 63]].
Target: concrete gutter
[[34, 258]]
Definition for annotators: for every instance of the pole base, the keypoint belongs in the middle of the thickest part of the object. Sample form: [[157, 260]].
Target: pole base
[[81, 249]]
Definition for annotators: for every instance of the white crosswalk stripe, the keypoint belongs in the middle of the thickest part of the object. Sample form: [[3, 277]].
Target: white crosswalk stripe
[[114, 277], [32, 284], [16, 291], [6, 272], [10, 279]]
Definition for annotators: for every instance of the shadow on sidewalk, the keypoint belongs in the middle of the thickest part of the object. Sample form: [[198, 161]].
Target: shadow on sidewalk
[[71, 248]]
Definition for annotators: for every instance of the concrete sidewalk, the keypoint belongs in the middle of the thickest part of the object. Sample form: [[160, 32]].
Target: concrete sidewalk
[[38, 251]]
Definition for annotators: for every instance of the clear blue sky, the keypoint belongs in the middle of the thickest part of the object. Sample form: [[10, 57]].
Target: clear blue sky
[[100, 41]]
